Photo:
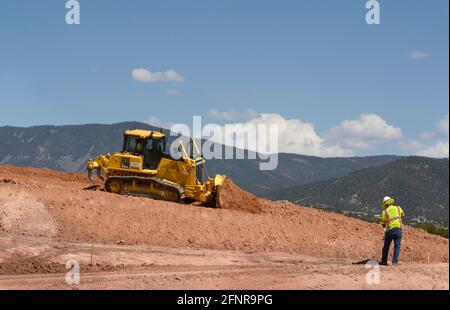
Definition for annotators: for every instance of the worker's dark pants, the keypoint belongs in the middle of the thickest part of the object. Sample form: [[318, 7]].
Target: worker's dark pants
[[396, 235]]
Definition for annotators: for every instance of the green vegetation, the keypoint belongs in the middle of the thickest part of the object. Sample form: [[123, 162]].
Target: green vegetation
[[433, 229]]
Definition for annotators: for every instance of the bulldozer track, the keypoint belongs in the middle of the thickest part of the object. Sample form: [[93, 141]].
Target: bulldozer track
[[168, 185]]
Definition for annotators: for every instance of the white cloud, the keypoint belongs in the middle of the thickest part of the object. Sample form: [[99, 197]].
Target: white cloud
[[440, 133], [144, 75], [439, 150], [154, 121], [442, 125], [427, 135], [294, 136], [440, 130], [231, 115], [364, 133], [417, 55], [369, 131], [172, 92]]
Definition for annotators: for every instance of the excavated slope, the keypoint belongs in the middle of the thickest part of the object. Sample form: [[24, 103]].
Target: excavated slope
[[42, 202]]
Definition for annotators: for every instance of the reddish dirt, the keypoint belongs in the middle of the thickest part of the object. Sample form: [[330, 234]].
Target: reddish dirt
[[37, 265], [47, 204], [55, 198], [149, 267], [233, 197], [29, 266]]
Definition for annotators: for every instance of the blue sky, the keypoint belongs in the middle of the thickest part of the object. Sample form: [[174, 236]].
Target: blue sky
[[306, 63]]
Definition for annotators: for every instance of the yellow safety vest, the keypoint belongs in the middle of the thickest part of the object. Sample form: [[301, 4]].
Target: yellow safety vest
[[392, 217]]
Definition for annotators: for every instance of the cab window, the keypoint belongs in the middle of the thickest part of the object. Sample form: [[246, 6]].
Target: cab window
[[133, 145], [155, 146]]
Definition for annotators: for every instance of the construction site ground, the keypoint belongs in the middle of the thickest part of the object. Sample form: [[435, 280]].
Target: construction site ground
[[48, 218]]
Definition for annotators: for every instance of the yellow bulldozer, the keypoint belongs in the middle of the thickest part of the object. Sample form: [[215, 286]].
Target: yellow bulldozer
[[144, 168]]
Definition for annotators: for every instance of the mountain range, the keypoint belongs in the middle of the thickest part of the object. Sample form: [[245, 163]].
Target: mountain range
[[420, 185], [353, 184]]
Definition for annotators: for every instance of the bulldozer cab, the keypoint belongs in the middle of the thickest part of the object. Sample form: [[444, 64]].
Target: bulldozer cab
[[148, 144]]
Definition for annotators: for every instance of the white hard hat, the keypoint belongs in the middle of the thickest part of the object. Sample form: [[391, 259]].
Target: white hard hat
[[387, 200]]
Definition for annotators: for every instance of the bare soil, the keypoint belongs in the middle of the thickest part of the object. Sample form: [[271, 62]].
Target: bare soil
[[48, 217], [234, 198]]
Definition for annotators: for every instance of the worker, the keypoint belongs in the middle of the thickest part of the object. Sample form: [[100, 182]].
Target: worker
[[391, 219], [139, 147]]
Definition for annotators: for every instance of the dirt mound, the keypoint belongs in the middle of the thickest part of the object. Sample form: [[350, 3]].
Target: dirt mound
[[100, 217], [233, 197], [31, 266], [37, 265]]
